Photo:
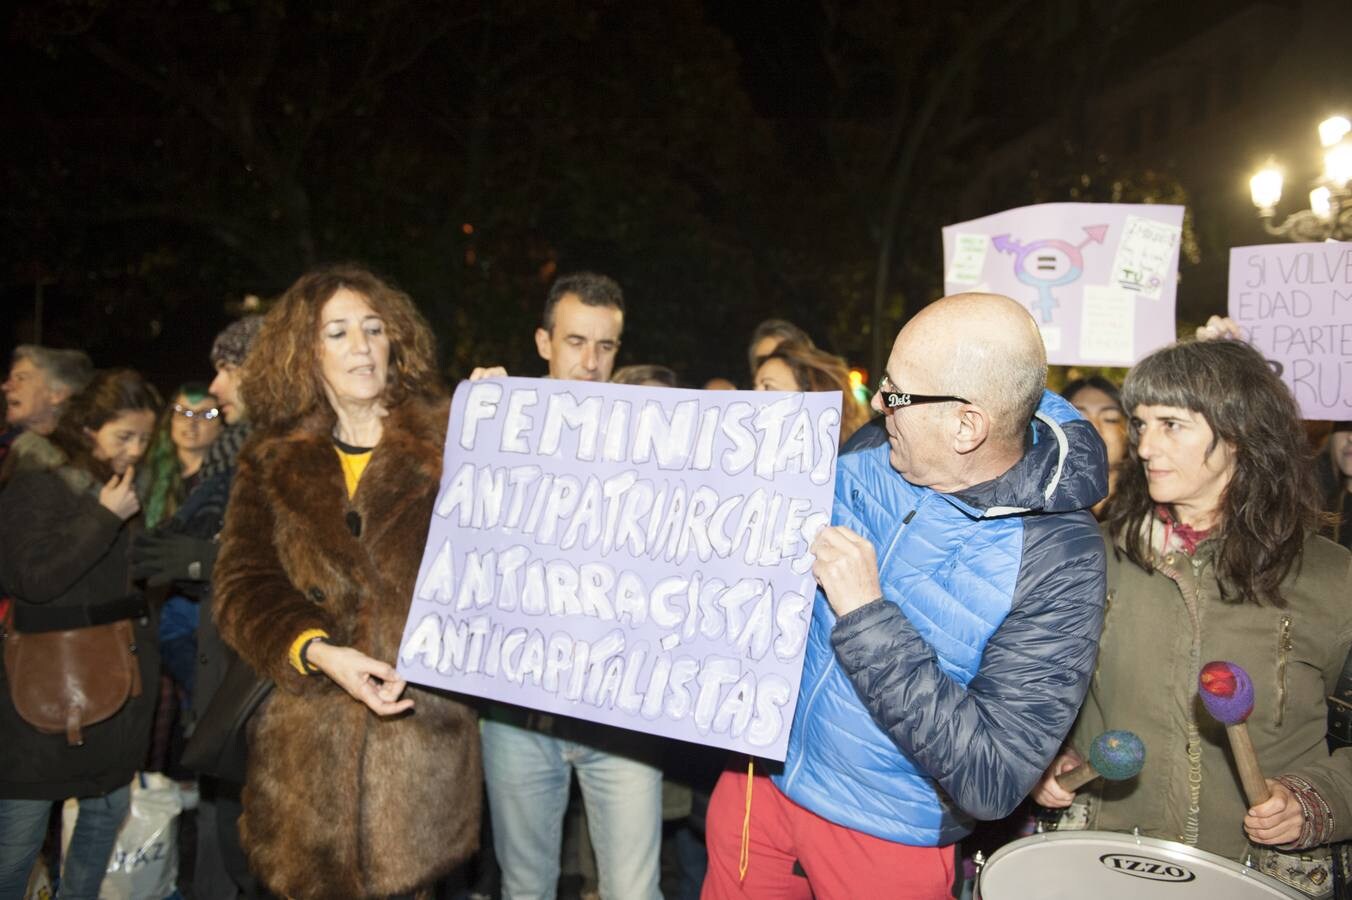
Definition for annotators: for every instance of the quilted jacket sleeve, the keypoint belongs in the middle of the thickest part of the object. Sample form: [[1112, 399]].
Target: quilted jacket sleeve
[[986, 744]]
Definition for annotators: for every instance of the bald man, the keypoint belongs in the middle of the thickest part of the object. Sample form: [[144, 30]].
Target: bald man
[[954, 632]]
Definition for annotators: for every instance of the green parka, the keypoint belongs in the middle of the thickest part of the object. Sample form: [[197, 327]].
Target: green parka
[[1161, 627]]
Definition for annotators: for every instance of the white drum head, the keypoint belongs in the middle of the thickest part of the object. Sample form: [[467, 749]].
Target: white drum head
[[1106, 865]]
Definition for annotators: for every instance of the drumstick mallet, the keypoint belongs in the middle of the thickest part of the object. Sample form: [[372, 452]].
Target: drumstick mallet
[[1114, 756], [1227, 693]]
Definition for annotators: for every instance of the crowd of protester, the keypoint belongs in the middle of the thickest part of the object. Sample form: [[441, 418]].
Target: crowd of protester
[[976, 628]]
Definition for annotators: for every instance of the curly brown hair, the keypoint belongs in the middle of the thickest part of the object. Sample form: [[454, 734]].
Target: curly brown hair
[[281, 383], [817, 370], [1272, 501]]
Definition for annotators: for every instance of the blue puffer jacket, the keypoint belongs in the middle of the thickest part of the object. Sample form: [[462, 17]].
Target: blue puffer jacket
[[946, 701]]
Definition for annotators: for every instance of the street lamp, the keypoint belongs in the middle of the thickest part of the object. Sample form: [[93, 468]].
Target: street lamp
[[1329, 217]]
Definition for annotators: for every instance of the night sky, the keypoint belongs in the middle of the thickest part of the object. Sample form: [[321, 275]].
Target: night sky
[[726, 161]]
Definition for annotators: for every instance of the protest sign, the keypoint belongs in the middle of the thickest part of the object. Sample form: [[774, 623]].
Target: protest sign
[[1294, 303], [627, 555], [1099, 278]]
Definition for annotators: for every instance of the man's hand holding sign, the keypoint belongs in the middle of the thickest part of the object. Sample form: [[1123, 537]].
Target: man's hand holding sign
[[846, 568]]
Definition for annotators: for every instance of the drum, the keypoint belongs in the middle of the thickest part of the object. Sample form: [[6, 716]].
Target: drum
[[1106, 865]]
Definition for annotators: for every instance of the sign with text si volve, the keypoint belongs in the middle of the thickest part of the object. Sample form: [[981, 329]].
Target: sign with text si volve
[[1294, 302], [627, 555]]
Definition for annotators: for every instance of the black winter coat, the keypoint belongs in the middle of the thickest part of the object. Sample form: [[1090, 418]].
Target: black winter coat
[[202, 516], [60, 547]]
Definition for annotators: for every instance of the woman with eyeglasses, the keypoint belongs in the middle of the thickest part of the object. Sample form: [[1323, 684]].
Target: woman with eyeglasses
[[187, 428]]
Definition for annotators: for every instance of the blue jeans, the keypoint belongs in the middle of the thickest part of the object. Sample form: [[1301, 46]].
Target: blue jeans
[[23, 824], [528, 777]]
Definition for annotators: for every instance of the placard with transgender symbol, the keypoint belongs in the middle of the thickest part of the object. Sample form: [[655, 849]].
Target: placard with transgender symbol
[[1099, 278]]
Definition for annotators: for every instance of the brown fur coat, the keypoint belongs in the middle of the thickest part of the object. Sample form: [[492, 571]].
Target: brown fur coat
[[340, 802]]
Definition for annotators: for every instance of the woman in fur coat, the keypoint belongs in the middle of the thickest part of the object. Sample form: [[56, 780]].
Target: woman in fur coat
[[359, 785]]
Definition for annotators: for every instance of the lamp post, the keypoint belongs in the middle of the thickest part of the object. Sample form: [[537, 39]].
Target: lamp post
[[1329, 217]]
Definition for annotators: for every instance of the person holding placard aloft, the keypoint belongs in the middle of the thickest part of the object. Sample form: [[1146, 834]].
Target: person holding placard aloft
[[955, 631], [1216, 556], [530, 757]]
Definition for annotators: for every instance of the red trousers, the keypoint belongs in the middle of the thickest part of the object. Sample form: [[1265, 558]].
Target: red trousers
[[833, 862]]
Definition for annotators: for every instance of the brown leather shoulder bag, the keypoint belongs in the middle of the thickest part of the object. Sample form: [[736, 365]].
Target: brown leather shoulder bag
[[62, 679]]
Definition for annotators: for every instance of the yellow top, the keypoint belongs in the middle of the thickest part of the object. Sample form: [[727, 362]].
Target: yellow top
[[354, 464]]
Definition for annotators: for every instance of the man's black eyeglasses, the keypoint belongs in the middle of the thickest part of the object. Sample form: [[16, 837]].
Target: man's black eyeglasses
[[897, 399]]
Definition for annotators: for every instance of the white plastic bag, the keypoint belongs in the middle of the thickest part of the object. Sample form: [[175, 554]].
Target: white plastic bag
[[144, 864]]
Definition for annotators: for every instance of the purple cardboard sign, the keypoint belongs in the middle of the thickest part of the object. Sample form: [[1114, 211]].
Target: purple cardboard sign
[[1294, 302], [1099, 278], [627, 555]]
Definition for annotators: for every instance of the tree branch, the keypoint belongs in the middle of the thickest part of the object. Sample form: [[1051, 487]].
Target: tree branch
[[180, 89]]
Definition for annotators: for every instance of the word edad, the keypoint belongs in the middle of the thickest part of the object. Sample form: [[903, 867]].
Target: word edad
[[746, 614], [629, 514], [778, 437], [715, 692], [1294, 303]]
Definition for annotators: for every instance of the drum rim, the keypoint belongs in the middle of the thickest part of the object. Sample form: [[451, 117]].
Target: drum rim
[[1126, 838]]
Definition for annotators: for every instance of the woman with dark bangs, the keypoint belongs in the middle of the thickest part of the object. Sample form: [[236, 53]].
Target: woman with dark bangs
[[1217, 557], [1099, 401], [67, 510], [359, 785]]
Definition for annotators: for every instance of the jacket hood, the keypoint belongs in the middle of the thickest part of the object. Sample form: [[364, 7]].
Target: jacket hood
[[1064, 469]]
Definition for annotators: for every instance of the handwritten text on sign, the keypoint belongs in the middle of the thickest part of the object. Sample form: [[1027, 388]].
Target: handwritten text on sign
[[626, 555], [1294, 302]]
